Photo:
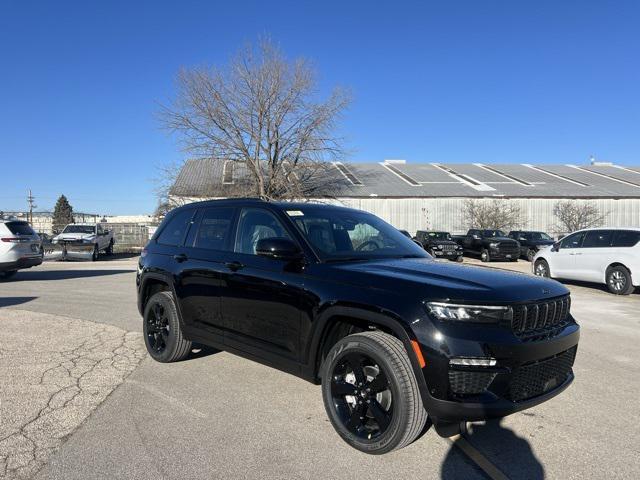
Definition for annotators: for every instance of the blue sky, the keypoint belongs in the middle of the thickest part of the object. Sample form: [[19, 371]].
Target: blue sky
[[448, 81]]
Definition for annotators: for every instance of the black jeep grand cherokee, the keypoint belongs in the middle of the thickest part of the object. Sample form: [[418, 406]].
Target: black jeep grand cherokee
[[339, 297]]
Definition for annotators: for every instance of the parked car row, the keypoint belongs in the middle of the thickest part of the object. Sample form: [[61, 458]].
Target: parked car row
[[21, 247]]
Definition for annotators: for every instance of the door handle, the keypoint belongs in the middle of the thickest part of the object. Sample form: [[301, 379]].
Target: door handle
[[181, 257], [234, 266]]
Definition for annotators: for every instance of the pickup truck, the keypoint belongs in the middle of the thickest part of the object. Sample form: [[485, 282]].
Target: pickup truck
[[531, 242], [439, 244], [85, 235], [489, 244]]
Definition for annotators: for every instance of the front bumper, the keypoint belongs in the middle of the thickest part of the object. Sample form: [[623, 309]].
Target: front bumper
[[21, 263], [526, 373]]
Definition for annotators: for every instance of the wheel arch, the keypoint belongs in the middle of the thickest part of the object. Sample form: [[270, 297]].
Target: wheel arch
[[613, 265], [152, 283], [386, 322]]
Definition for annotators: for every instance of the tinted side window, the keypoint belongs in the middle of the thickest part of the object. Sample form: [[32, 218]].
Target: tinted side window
[[174, 231], [626, 238], [572, 241], [215, 229], [256, 224], [597, 239]]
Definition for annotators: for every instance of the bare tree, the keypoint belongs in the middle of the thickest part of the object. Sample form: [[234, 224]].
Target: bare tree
[[572, 216], [499, 214], [263, 111]]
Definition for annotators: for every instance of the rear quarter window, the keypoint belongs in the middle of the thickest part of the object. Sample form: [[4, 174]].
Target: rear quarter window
[[174, 231], [626, 238], [20, 228]]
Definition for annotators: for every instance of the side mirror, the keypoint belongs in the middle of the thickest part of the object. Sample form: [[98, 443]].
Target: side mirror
[[522, 239], [476, 237], [279, 248], [555, 247]]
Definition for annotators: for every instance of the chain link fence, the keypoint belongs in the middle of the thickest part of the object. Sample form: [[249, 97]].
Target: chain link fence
[[130, 237]]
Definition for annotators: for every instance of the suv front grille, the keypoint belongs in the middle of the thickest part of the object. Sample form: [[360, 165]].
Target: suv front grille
[[508, 248], [536, 378], [537, 321], [448, 248]]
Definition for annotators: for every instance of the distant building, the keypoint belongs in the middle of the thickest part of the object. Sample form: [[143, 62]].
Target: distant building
[[43, 221], [415, 196]]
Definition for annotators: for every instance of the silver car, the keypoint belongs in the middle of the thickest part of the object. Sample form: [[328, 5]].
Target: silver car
[[19, 247]]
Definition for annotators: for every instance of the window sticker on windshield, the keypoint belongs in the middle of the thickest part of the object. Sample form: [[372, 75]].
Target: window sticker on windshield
[[295, 213]]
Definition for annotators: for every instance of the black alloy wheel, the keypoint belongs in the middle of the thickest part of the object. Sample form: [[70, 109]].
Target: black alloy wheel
[[161, 327], [530, 254], [371, 394], [485, 256]]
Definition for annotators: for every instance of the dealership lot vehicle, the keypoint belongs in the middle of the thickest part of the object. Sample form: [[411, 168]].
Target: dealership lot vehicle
[[86, 237], [19, 247], [440, 245], [609, 256], [340, 297], [489, 245], [530, 242]]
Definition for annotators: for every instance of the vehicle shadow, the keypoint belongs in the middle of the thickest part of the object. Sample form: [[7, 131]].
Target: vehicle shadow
[[508, 452], [65, 274], [200, 351], [593, 286], [10, 301]]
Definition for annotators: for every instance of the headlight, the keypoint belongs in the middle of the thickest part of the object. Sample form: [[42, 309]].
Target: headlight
[[469, 313], [437, 247], [493, 244]]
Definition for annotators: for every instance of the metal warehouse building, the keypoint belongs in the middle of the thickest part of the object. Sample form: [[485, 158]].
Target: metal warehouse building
[[415, 196]]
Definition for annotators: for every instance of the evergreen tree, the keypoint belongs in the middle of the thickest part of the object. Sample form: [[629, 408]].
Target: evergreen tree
[[62, 214]]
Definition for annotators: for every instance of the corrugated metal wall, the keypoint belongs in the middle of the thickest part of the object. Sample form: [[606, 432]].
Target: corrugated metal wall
[[413, 214]]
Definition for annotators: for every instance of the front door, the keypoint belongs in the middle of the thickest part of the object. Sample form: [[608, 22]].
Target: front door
[[261, 296], [563, 261], [594, 255]]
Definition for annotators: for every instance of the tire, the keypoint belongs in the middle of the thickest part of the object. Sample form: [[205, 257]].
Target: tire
[[391, 415], [161, 328], [8, 274], [530, 254], [96, 254], [541, 268], [460, 259], [619, 281], [485, 256], [109, 250], [513, 259], [432, 253]]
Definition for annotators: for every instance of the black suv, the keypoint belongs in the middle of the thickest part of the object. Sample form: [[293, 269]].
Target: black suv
[[530, 242], [440, 245], [339, 297]]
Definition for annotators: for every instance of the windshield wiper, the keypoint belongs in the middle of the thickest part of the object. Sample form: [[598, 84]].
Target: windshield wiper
[[346, 259]]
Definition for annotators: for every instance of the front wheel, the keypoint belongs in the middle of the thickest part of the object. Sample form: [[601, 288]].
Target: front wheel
[[485, 256], [619, 281], [96, 254], [162, 333], [109, 250], [541, 268], [371, 394], [530, 254]]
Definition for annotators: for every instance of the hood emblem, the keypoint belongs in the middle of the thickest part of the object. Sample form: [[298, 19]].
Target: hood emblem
[[546, 291]]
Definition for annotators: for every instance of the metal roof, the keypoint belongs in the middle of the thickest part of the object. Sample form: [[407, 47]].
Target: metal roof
[[392, 179]]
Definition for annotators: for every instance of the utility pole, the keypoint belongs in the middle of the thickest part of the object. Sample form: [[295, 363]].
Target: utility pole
[[31, 201]]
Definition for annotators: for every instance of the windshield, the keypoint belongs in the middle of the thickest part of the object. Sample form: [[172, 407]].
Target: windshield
[[350, 235], [440, 235], [537, 236], [79, 229], [493, 233]]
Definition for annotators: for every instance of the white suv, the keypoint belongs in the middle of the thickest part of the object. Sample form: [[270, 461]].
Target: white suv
[[19, 247], [602, 255]]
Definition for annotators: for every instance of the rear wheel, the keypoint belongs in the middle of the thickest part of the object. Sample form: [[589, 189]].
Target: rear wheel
[[541, 268], [371, 394], [530, 254], [459, 259], [7, 275], [619, 281], [162, 333], [485, 256]]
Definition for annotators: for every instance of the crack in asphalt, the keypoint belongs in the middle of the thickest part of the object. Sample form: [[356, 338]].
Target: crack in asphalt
[[92, 360]]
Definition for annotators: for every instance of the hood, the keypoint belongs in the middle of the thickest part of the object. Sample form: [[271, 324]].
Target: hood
[[542, 243], [448, 281], [443, 242], [500, 239], [75, 236]]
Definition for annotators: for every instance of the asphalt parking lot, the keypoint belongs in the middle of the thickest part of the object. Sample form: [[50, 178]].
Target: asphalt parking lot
[[81, 400]]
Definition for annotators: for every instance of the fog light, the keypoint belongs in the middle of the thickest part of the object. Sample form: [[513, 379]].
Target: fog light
[[473, 362]]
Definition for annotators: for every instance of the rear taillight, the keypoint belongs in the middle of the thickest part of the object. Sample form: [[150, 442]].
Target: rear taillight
[[11, 239]]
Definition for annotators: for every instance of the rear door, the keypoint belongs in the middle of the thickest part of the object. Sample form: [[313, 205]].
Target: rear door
[[594, 256], [208, 249], [262, 296]]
